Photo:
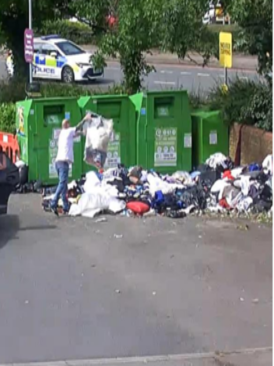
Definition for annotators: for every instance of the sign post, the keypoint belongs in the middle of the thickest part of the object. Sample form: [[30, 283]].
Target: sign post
[[225, 53], [28, 43], [28, 50]]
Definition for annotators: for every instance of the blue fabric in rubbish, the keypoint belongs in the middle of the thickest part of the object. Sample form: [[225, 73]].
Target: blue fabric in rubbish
[[159, 197], [254, 167]]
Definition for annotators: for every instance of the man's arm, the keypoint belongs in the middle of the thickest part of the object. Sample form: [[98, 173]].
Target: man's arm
[[80, 125]]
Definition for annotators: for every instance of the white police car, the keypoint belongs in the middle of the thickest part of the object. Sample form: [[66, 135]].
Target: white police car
[[57, 58]]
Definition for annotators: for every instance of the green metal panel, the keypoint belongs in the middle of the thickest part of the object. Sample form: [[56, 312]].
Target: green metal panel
[[210, 135], [122, 147], [140, 101], [164, 131], [43, 121]]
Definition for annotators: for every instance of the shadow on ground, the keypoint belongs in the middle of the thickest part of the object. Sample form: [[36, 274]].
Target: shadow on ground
[[10, 226]]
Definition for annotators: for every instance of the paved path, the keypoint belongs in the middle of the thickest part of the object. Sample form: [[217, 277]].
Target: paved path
[[72, 289]]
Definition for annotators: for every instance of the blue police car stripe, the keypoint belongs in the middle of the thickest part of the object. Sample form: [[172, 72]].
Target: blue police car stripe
[[61, 61], [41, 60]]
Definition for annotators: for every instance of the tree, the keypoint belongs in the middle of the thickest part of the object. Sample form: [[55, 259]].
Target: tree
[[255, 19], [174, 25], [14, 20], [133, 35]]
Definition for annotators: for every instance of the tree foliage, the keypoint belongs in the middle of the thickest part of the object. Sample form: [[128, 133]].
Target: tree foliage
[[174, 26], [255, 19], [14, 20]]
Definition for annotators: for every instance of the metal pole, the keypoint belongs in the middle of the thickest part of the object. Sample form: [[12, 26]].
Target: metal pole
[[226, 78], [30, 27]]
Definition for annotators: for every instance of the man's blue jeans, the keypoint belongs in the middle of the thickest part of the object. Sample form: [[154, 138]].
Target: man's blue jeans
[[62, 168]]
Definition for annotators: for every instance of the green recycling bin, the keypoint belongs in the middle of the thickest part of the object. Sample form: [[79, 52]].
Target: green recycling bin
[[164, 136], [119, 108], [38, 123], [210, 135]]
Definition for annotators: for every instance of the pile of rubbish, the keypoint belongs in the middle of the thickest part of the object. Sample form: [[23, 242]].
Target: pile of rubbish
[[216, 186]]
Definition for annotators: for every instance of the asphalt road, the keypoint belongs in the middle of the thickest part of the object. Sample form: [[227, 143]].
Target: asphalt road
[[75, 289], [193, 79]]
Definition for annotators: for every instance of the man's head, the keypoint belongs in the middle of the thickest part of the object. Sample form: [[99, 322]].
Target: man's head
[[65, 124]]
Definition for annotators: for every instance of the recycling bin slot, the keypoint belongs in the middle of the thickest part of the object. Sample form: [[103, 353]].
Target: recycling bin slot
[[164, 107], [53, 114]]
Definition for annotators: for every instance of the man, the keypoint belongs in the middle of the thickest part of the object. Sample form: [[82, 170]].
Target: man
[[64, 158]]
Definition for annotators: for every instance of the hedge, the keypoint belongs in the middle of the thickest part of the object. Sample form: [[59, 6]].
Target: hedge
[[246, 102]]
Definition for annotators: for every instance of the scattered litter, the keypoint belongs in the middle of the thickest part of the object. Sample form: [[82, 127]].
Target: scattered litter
[[243, 227], [26, 302], [242, 299], [154, 293], [255, 301], [101, 219], [118, 291], [116, 236]]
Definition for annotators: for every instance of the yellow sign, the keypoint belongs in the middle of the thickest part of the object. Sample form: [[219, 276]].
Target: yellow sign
[[225, 49]]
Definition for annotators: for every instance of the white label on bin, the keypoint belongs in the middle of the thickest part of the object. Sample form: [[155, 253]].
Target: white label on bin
[[165, 150], [32, 112], [213, 138], [188, 141], [114, 151], [5, 138], [143, 112]]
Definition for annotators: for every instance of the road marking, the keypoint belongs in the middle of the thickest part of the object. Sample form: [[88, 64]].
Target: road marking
[[113, 68], [142, 360], [201, 74], [165, 83], [185, 73], [166, 72]]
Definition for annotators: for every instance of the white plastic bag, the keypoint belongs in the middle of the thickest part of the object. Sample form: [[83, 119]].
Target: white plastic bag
[[98, 133], [217, 159]]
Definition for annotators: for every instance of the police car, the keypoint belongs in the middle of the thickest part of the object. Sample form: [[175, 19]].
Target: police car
[[56, 58]]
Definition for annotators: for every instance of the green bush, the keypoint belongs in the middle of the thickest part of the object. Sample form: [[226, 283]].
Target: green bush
[[245, 102], [7, 117], [11, 91], [75, 31]]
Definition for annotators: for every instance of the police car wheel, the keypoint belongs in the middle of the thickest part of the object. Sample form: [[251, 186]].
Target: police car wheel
[[67, 75]]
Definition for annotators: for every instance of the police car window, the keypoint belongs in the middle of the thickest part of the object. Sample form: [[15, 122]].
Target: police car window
[[47, 49], [37, 47], [69, 49]]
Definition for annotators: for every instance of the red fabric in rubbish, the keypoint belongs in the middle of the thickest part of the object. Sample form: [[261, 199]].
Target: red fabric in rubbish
[[227, 174], [138, 207], [224, 204]]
